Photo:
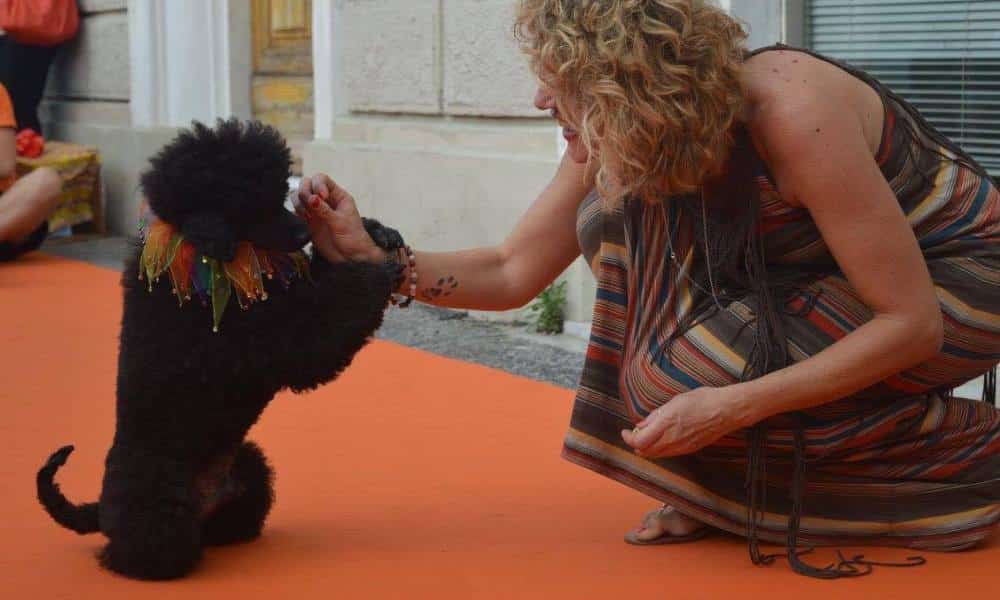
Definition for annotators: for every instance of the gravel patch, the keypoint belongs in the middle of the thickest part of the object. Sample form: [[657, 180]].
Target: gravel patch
[[456, 335]]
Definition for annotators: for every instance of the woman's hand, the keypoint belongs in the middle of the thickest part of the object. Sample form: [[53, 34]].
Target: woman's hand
[[337, 230], [687, 423]]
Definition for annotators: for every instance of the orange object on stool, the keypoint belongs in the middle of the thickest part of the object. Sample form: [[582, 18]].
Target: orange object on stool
[[29, 143]]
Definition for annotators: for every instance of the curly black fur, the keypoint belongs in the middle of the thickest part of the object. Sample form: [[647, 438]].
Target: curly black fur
[[185, 177], [187, 396], [244, 515]]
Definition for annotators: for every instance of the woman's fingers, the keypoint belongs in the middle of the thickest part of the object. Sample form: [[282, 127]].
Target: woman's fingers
[[305, 191], [651, 444], [318, 209], [337, 197], [334, 219], [343, 203], [640, 437], [664, 447], [317, 215], [320, 185], [648, 434], [330, 191]]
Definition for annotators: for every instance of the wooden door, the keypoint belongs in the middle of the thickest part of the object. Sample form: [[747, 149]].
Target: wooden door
[[282, 69]]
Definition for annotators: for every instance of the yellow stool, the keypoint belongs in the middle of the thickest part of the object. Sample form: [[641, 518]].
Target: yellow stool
[[80, 169]]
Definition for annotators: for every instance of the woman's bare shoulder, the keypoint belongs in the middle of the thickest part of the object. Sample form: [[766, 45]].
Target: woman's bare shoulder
[[788, 92], [785, 82]]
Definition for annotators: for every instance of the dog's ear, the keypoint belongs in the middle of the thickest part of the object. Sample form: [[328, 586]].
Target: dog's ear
[[211, 235]]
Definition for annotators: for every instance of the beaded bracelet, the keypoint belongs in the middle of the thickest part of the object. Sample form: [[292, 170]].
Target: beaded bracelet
[[398, 267], [410, 272], [411, 261]]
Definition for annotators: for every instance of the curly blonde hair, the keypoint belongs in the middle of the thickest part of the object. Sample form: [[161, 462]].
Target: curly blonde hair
[[655, 85]]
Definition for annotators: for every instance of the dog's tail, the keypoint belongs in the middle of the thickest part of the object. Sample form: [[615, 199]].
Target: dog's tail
[[81, 519]]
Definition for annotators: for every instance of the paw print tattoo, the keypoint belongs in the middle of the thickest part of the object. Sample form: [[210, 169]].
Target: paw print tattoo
[[443, 288]]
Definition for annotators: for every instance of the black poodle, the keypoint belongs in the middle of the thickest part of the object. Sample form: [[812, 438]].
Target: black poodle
[[179, 475]]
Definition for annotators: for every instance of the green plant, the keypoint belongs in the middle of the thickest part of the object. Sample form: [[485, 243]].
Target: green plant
[[551, 308]]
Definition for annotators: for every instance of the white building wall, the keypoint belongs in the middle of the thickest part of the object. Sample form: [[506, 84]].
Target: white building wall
[[424, 112], [484, 73]]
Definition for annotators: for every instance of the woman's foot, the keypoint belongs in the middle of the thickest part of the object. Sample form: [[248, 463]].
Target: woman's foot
[[667, 525]]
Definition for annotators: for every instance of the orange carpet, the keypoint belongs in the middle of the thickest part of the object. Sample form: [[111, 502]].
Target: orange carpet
[[413, 476]]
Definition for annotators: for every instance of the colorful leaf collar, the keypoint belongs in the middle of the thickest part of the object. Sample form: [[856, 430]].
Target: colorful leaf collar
[[166, 251]]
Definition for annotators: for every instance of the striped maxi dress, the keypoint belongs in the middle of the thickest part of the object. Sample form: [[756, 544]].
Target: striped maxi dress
[[902, 463]]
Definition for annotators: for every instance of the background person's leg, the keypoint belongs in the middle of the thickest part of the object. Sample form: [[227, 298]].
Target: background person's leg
[[6, 61], [28, 204], [23, 71]]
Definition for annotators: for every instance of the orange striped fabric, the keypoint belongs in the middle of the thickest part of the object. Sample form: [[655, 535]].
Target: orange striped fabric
[[901, 463]]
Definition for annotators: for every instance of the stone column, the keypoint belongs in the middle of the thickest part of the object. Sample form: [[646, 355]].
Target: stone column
[[190, 60]]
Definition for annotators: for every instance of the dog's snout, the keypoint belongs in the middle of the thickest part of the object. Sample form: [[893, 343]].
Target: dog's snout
[[284, 232]]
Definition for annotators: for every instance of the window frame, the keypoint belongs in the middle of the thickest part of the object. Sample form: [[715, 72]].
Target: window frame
[[796, 27]]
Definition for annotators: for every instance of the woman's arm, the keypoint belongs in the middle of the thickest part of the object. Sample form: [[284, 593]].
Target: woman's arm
[[821, 160], [541, 246]]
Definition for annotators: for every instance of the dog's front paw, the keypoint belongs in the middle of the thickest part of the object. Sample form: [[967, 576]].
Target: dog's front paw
[[384, 237]]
